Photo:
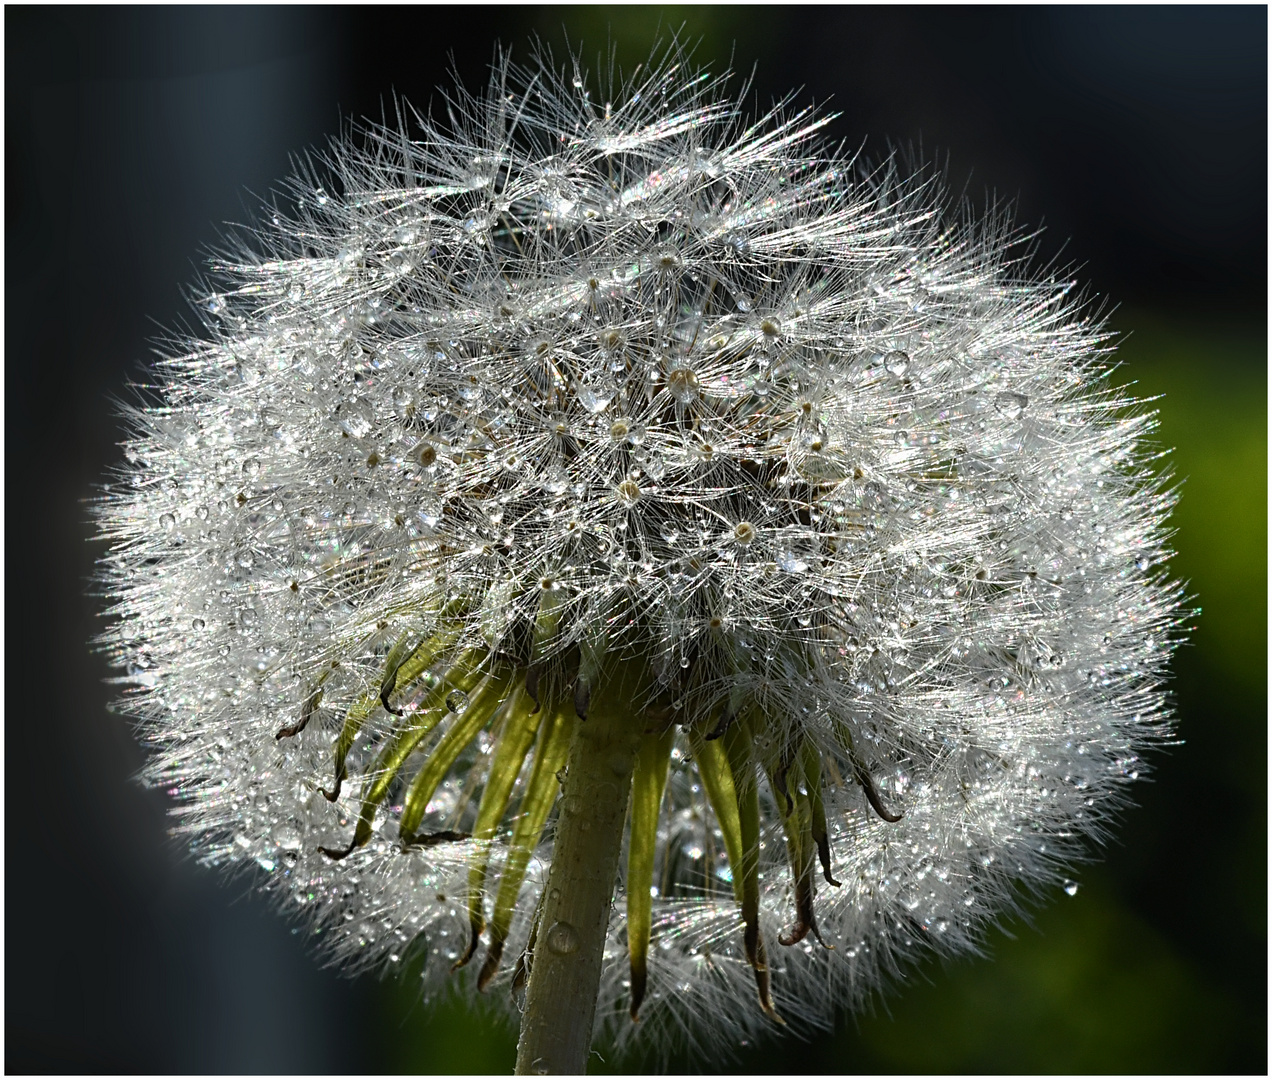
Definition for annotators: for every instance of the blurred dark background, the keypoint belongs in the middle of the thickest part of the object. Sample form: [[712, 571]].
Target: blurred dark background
[[1137, 136]]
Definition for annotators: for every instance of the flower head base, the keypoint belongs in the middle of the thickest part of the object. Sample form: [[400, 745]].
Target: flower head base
[[625, 401]]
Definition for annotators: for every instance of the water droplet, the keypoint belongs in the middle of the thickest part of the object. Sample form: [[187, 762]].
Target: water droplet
[[563, 939], [201, 512], [216, 304], [252, 467], [457, 701], [320, 197], [628, 492], [556, 480], [1142, 562], [1071, 887], [247, 617], [357, 417], [683, 385], [246, 559], [167, 521], [430, 513], [790, 562], [197, 624], [595, 390], [402, 397], [897, 362], [669, 532], [1010, 405], [654, 465]]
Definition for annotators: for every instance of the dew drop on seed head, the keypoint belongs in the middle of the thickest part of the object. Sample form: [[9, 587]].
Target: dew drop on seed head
[[596, 390], [628, 492], [356, 418], [683, 385], [1010, 405], [897, 362], [1071, 887], [556, 481], [790, 562], [457, 701], [167, 521]]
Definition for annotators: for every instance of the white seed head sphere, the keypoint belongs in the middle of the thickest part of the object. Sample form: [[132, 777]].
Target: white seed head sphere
[[584, 383]]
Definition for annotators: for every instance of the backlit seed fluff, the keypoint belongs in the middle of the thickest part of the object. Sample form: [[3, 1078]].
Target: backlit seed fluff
[[590, 381]]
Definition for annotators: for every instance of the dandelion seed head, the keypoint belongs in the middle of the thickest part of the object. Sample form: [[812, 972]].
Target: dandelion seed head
[[488, 406]]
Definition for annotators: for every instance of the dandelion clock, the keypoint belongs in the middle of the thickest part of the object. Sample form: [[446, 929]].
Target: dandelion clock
[[638, 563]]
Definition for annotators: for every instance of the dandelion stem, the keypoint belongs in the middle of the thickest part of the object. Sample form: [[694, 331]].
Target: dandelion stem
[[565, 972]]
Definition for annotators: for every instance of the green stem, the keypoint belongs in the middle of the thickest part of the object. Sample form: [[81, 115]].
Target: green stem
[[565, 972]]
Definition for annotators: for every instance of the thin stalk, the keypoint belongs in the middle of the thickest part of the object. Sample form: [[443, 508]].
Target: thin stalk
[[565, 970]]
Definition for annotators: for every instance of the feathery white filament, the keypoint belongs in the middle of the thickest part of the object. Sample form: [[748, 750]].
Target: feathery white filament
[[696, 381]]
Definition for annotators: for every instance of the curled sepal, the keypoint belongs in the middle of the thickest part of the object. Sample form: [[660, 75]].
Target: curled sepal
[[462, 676], [717, 781], [788, 782], [353, 721], [520, 726], [308, 707], [872, 792], [400, 672], [746, 875], [485, 699], [400, 669], [648, 784], [821, 835], [540, 794], [392, 665], [742, 846]]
